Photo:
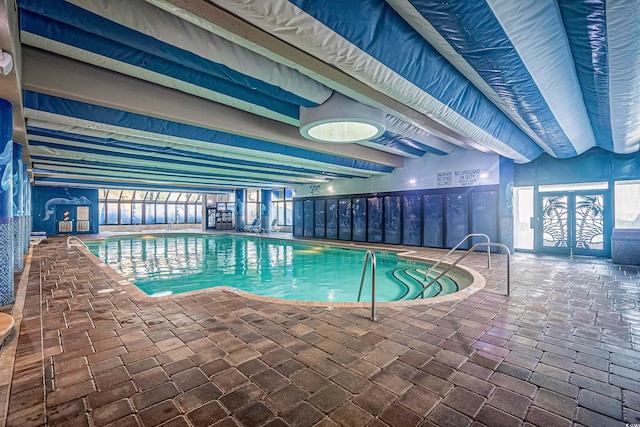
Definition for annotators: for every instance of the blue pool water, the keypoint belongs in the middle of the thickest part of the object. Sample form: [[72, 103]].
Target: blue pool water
[[166, 264]]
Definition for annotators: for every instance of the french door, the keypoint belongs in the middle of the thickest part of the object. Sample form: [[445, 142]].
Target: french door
[[573, 223]]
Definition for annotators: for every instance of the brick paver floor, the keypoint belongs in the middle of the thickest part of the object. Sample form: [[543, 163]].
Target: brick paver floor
[[561, 351]]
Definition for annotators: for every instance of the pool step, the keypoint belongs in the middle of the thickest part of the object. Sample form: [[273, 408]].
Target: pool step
[[413, 281], [412, 285]]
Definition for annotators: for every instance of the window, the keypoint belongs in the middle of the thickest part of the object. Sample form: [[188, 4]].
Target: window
[[523, 236], [627, 205], [123, 207], [282, 206], [125, 213], [252, 206]]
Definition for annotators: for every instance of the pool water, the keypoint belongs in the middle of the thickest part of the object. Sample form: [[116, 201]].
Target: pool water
[[171, 264]]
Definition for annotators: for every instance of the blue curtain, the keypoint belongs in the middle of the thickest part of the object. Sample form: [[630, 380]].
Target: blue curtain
[[433, 226], [392, 219], [320, 219], [332, 219], [457, 219], [411, 220], [344, 219], [374, 219], [359, 219]]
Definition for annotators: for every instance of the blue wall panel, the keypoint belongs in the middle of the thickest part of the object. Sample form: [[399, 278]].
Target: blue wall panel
[[457, 219], [359, 206], [308, 218], [46, 200], [320, 219], [392, 220], [374, 219], [484, 215], [298, 218], [412, 220], [332, 219], [344, 221], [433, 227]]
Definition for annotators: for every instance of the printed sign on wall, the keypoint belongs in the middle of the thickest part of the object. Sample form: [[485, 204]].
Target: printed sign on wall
[[459, 178]]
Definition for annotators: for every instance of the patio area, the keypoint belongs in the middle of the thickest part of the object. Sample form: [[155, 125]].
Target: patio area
[[561, 351]]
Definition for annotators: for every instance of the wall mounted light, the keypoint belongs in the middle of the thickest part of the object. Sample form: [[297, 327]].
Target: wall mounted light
[[6, 62], [341, 120]]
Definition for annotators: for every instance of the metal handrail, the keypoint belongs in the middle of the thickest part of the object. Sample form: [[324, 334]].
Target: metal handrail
[[75, 238], [426, 273], [473, 248], [373, 281]]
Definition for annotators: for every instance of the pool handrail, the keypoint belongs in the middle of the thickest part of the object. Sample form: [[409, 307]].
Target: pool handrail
[[369, 254], [69, 244], [473, 248], [426, 273]]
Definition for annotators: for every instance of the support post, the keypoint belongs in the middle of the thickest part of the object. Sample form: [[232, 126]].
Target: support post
[[6, 203]]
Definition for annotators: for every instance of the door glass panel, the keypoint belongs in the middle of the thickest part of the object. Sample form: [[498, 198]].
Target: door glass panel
[[590, 222], [554, 221]]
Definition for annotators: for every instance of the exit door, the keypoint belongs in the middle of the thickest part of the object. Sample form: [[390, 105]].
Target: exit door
[[573, 223]]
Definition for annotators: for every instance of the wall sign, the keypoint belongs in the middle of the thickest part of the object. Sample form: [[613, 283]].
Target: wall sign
[[459, 178]]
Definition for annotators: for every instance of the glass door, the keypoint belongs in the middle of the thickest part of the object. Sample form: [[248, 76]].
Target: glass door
[[573, 223]]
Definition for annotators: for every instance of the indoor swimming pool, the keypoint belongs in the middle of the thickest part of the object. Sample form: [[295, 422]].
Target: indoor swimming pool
[[162, 265]]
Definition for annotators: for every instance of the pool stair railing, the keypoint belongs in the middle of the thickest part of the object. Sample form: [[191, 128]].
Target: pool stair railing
[[369, 255], [464, 255], [79, 242], [465, 238]]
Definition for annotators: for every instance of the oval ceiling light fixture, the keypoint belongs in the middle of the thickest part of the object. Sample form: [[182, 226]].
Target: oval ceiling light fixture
[[341, 120]]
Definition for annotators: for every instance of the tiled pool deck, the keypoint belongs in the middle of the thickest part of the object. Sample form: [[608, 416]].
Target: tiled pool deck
[[561, 351]]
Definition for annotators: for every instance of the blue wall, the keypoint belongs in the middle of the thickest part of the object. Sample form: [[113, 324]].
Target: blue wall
[[46, 199]]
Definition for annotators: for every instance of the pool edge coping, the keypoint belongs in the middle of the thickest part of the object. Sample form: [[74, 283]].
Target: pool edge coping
[[478, 281]]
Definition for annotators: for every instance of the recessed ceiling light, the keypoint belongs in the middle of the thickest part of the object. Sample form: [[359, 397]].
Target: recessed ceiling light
[[341, 120]]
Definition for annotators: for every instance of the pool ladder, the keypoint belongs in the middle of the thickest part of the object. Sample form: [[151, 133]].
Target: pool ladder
[[367, 256]]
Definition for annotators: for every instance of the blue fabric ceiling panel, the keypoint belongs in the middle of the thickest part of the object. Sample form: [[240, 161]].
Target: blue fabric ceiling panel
[[623, 55], [475, 33], [72, 36], [65, 12], [177, 164], [387, 37], [79, 165], [105, 143], [407, 145], [122, 185], [586, 25], [110, 116]]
